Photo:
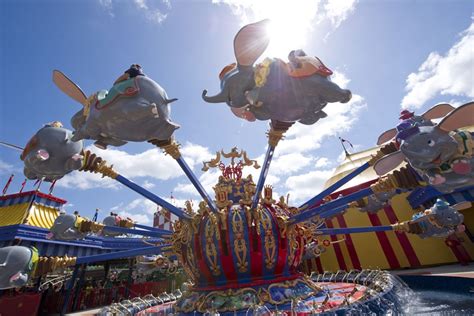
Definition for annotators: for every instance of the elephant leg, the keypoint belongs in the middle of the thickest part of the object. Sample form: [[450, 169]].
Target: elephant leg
[[30, 175], [311, 118], [75, 162]]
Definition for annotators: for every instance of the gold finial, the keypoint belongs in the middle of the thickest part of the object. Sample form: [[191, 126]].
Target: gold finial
[[169, 146], [268, 195], [96, 164]]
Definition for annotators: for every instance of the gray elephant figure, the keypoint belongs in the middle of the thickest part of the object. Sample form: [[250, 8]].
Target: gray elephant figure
[[51, 153], [276, 90], [135, 109], [16, 265], [441, 220], [66, 227], [375, 202], [441, 154], [115, 221], [151, 263], [437, 111], [313, 250]]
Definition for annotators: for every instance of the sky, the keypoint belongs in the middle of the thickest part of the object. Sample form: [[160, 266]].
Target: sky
[[392, 55]]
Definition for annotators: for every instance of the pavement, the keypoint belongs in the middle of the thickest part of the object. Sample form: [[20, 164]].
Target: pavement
[[453, 270]]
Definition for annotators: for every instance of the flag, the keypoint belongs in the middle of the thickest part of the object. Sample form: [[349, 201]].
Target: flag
[[8, 184], [23, 185], [346, 141]]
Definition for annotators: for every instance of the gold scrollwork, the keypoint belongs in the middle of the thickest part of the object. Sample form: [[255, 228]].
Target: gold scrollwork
[[270, 244], [210, 249], [240, 246]]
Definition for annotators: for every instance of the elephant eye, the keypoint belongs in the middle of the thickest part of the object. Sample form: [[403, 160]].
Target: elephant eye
[[431, 143]]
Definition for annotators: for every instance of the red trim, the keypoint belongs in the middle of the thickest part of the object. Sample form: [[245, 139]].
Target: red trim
[[402, 238], [282, 247], [337, 248], [384, 242], [461, 254], [203, 267], [227, 262], [349, 244], [347, 191], [319, 266], [40, 194], [250, 284], [256, 258]]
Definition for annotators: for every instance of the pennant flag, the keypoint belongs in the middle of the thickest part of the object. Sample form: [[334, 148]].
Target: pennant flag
[[23, 185], [8, 184]]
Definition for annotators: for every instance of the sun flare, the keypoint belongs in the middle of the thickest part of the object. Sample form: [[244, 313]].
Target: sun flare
[[290, 24]]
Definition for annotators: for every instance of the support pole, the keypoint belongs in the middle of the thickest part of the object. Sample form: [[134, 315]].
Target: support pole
[[95, 164], [385, 150], [277, 129], [353, 230], [170, 207], [158, 234], [334, 187], [70, 285], [172, 148], [152, 229], [129, 278], [79, 286], [398, 181], [152, 250]]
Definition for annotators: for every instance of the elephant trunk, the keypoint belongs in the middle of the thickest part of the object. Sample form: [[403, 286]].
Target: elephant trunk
[[222, 96]]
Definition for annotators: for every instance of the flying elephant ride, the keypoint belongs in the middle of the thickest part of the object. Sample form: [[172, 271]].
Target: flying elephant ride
[[242, 250], [294, 91], [136, 109], [51, 153]]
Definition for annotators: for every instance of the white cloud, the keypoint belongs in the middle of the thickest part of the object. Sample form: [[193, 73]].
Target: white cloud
[[86, 180], [452, 74], [322, 162], [152, 14], [337, 11], [5, 167], [148, 185], [307, 185], [152, 163]]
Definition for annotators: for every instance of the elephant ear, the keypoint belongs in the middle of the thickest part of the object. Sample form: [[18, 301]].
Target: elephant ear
[[67, 86], [386, 136], [461, 117], [250, 42], [462, 205], [388, 162], [438, 111]]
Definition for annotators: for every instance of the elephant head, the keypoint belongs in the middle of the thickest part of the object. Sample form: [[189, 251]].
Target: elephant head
[[111, 220], [16, 265], [425, 119], [439, 153], [66, 227], [441, 220], [238, 78], [51, 153], [276, 90], [136, 109]]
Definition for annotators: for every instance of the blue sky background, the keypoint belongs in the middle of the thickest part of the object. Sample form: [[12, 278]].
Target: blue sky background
[[389, 53]]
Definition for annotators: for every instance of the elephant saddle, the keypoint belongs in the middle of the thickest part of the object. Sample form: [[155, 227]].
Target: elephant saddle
[[307, 66], [126, 88]]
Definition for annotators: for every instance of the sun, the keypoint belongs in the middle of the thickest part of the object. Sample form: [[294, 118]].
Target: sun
[[283, 39], [290, 24]]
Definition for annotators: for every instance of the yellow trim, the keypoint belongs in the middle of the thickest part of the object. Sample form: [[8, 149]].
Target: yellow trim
[[42, 216], [13, 214]]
